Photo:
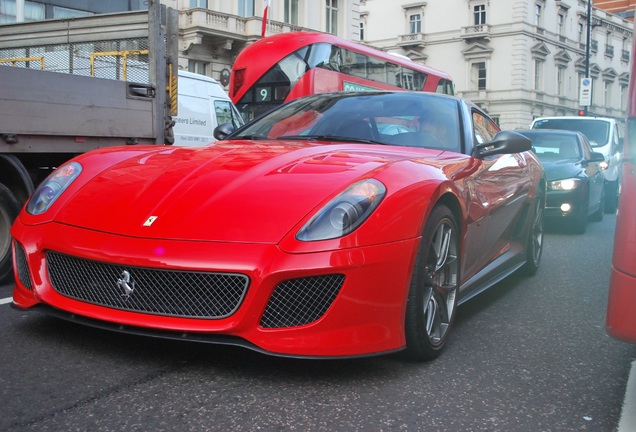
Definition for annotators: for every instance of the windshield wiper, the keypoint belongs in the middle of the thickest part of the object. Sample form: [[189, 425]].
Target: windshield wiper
[[338, 138]]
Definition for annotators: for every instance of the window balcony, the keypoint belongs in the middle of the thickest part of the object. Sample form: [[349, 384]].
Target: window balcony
[[415, 40], [594, 46], [207, 27], [625, 56], [479, 31]]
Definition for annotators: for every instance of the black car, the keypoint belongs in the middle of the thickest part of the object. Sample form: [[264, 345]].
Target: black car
[[574, 175]]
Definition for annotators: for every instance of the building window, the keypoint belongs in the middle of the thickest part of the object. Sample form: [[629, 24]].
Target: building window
[[478, 76], [582, 35], [332, 16], [32, 11], [607, 95], [560, 83], [62, 12], [560, 24], [624, 94], [479, 14], [538, 75], [415, 23], [361, 30], [538, 15], [291, 12], [197, 67], [246, 8], [199, 4]]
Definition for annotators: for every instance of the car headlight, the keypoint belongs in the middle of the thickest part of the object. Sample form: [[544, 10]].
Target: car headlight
[[51, 188], [564, 185], [344, 213]]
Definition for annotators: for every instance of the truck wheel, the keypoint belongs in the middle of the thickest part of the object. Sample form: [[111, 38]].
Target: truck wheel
[[9, 208]]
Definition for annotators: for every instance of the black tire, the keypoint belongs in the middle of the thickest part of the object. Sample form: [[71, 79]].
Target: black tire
[[534, 245], [597, 216], [9, 208], [579, 223], [611, 196], [432, 300]]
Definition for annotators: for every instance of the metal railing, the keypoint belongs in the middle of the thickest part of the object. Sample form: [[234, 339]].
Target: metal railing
[[117, 55], [26, 60]]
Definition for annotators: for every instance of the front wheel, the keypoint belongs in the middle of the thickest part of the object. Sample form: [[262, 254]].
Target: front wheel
[[534, 245], [432, 300]]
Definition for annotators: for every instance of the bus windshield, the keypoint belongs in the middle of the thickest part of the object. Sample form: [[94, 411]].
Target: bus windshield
[[596, 131], [260, 82]]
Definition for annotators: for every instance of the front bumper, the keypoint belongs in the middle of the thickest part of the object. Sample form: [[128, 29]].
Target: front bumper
[[555, 200], [365, 317]]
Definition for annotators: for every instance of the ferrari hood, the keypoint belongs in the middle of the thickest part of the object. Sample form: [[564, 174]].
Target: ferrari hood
[[233, 191]]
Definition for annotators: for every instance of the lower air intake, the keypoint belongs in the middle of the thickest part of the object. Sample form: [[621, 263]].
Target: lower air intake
[[301, 301]]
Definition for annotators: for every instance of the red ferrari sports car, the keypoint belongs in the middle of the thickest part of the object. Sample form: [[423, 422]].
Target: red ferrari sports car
[[337, 225]]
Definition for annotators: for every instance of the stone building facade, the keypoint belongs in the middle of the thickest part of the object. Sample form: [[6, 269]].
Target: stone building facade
[[518, 59]]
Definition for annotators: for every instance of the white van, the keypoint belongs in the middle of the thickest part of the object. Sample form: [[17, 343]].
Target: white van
[[203, 105], [603, 135]]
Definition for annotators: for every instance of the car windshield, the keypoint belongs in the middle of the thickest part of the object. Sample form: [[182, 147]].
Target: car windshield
[[596, 131], [555, 147], [399, 119]]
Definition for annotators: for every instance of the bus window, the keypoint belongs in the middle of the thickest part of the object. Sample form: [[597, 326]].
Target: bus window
[[411, 79], [354, 64], [324, 56], [445, 87], [277, 69], [272, 89]]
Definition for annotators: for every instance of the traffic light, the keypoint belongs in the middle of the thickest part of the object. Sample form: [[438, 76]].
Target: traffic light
[[581, 112]]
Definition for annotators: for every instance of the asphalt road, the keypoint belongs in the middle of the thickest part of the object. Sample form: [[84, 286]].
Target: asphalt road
[[531, 354]]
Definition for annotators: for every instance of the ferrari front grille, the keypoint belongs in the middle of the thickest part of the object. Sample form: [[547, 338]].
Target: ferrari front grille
[[302, 301], [22, 267], [187, 294]]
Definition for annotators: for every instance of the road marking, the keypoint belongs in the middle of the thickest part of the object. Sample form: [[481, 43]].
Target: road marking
[[628, 413], [6, 300]]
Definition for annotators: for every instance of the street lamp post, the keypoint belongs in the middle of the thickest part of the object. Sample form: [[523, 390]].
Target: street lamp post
[[587, 45]]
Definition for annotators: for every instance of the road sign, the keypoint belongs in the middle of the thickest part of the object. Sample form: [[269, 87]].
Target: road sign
[[585, 94]]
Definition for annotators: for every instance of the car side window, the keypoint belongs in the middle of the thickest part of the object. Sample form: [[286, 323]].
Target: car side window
[[484, 129], [587, 149]]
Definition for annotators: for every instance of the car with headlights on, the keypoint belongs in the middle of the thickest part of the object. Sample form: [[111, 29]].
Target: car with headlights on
[[306, 233], [603, 135], [574, 175]]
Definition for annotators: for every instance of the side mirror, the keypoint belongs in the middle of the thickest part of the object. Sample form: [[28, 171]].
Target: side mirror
[[597, 157], [505, 142], [223, 130]]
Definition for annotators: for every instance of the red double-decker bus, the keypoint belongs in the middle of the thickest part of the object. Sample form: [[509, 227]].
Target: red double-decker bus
[[283, 67], [621, 308]]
